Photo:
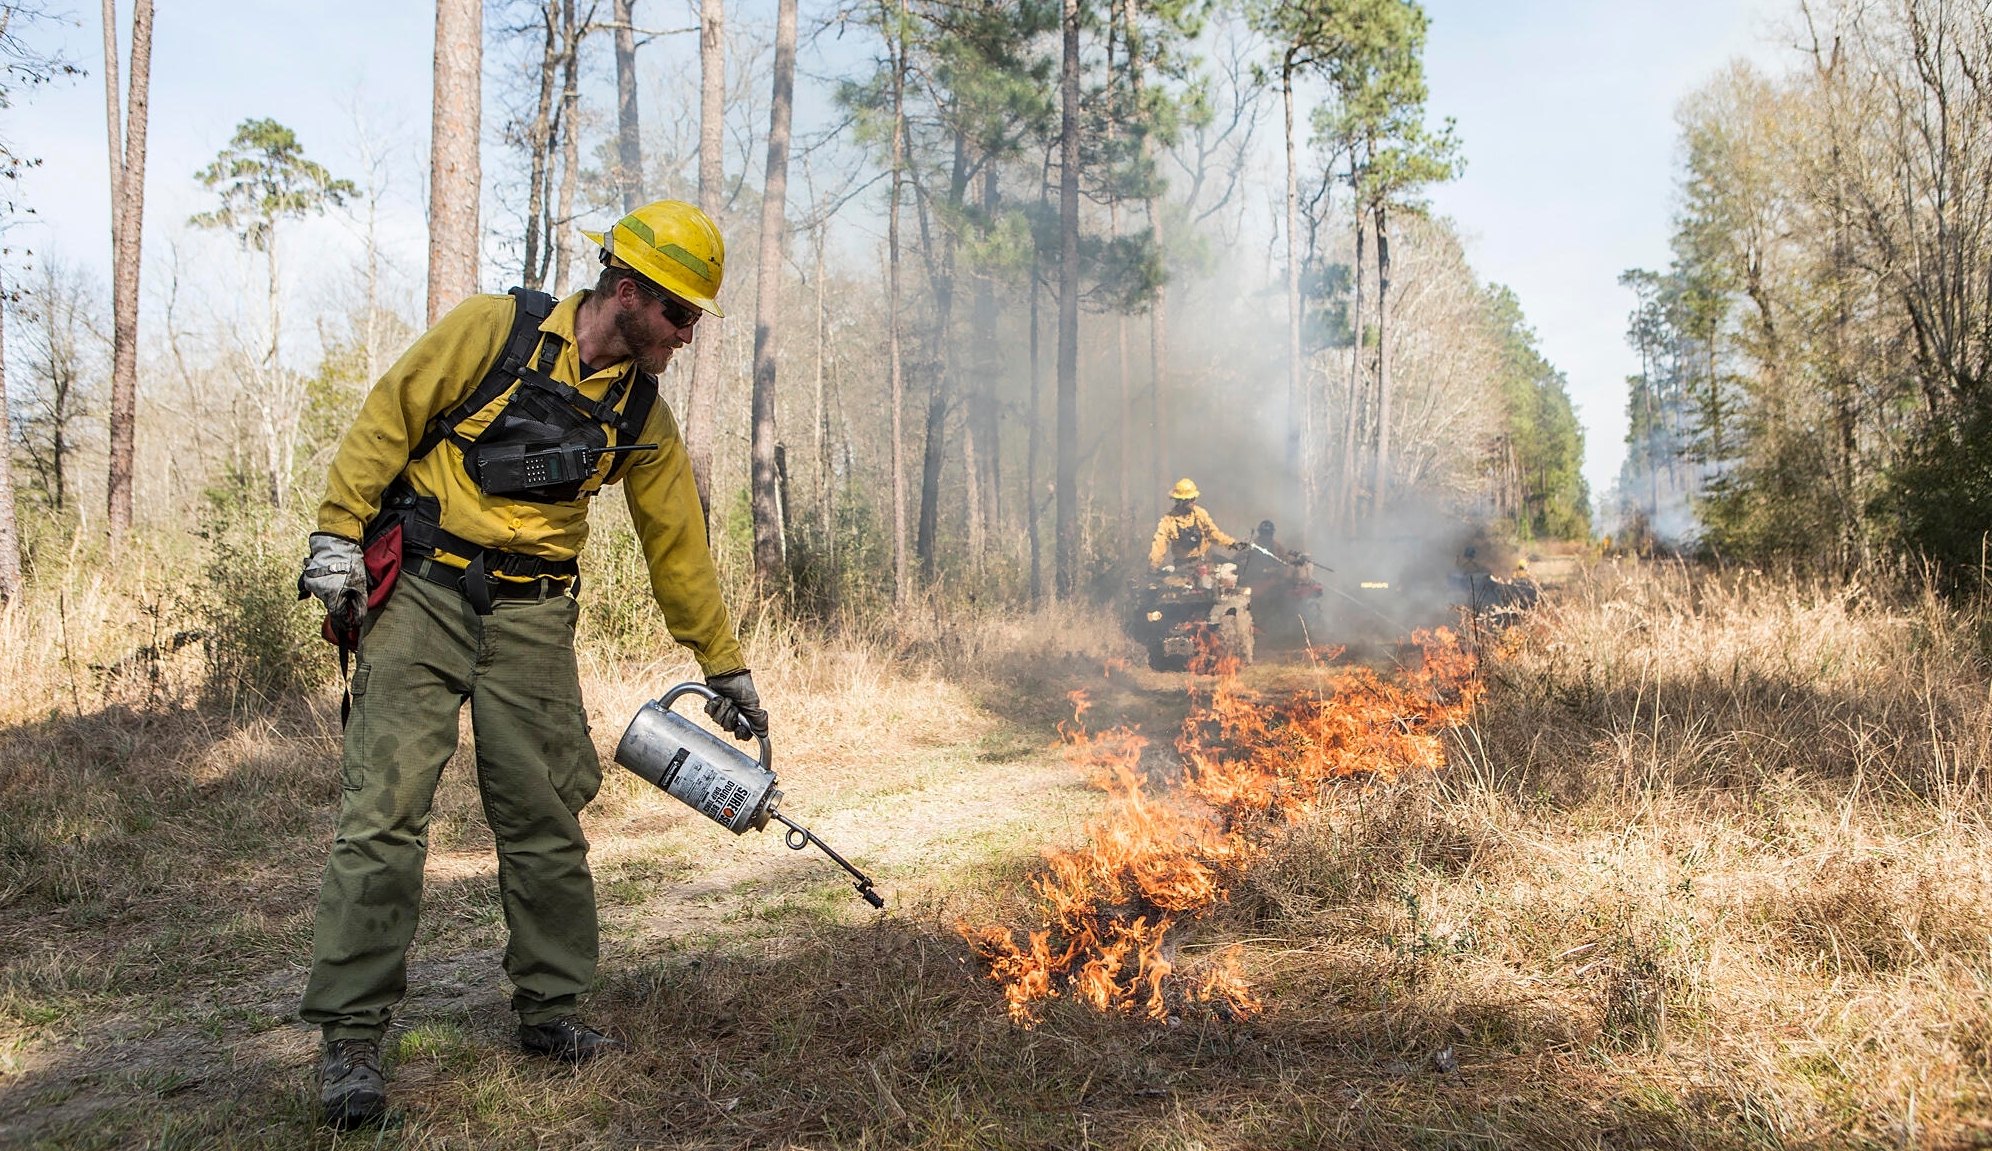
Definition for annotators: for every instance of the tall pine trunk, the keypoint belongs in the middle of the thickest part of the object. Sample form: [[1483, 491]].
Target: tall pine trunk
[[1380, 496], [1352, 415], [540, 142], [985, 469], [702, 402], [629, 134], [900, 588], [455, 171], [1067, 560], [940, 395], [1294, 399], [570, 147], [768, 527], [1158, 316], [825, 519], [1124, 512], [126, 140], [1034, 444], [10, 531]]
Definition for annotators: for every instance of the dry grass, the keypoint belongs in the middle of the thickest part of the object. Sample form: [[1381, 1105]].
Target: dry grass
[[1708, 871]]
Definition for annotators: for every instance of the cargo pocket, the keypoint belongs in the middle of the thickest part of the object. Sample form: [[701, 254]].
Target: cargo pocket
[[352, 775]]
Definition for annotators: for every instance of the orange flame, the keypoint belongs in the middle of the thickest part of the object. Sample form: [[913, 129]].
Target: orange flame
[[1152, 861]]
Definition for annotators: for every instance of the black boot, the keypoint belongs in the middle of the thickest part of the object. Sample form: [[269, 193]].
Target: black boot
[[350, 1088], [566, 1038]]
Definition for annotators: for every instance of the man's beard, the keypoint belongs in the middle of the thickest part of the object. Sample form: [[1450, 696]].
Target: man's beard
[[641, 332]]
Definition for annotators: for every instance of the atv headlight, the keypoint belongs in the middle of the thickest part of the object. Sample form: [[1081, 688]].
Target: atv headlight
[[1155, 617]]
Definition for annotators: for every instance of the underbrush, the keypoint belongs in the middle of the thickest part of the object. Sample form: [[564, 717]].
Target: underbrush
[[1719, 838]]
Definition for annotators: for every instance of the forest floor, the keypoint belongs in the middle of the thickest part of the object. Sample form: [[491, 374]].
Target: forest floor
[[1706, 869]]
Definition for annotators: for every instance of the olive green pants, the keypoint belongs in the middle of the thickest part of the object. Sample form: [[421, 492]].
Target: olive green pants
[[424, 653]]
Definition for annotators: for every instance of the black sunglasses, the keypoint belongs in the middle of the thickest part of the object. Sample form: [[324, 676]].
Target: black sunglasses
[[677, 311]]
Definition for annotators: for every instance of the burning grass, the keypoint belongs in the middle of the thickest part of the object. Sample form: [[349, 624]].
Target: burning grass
[[1159, 858]]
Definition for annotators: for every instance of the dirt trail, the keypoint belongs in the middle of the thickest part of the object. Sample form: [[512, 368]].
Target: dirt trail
[[930, 817]]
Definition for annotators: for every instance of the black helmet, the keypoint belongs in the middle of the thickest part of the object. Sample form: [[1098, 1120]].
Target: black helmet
[[1265, 527]]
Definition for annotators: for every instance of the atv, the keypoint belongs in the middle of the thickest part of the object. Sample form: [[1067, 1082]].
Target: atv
[[1178, 615]]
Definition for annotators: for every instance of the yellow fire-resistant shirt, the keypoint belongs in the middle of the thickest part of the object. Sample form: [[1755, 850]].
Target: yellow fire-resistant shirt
[[443, 367], [1173, 527]]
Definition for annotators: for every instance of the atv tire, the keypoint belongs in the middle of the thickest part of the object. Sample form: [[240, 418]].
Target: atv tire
[[1235, 631], [1160, 660]]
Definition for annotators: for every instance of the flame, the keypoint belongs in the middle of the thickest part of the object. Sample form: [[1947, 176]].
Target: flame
[[1153, 861]]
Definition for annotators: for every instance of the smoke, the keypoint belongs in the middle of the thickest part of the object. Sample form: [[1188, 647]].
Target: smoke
[[1393, 571]]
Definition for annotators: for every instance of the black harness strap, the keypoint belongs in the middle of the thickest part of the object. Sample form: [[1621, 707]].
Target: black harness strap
[[636, 413], [530, 311]]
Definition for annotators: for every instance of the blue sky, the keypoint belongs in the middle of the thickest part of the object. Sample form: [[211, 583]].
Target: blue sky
[[1566, 111], [1565, 108]]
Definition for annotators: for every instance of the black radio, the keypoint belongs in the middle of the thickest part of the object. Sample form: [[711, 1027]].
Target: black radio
[[521, 469]]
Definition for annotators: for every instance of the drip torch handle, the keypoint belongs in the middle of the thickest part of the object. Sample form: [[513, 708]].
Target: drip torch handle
[[704, 692], [798, 837]]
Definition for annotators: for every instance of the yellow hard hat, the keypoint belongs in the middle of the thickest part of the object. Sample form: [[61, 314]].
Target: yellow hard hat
[[673, 245], [1185, 489]]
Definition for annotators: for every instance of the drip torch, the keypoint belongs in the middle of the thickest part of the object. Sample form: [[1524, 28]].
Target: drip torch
[[702, 771]]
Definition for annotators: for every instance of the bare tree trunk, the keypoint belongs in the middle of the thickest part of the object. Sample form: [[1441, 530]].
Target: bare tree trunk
[[1292, 276], [899, 572], [126, 139], [11, 586], [273, 391], [1158, 413], [768, 526], [375, 165], [984, 474], [1034, 443], [1124, 514], [822, 429], [1380, 497], [629, 135], [702, 404], [540, 143], [455, 172], [940, 395], [1351, 418], [570, 147], [1067, 570]]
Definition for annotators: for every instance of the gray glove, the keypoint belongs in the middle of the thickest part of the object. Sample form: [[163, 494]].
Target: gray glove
[[738, 708], [336, 573]]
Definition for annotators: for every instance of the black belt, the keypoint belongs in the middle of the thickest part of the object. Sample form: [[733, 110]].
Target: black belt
[[456, 579]]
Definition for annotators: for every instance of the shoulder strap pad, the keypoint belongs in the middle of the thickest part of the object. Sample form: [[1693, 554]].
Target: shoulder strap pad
[[530, 310], [636, 413]]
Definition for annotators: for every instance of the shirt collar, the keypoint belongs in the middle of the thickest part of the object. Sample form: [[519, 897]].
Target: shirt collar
[[561, 323]]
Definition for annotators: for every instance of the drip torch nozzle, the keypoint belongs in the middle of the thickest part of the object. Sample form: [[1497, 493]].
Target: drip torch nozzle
[[798, 837]]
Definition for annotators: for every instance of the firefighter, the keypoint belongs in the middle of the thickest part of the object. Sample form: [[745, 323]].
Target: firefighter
[[1260, 570], [1186, 531], [1266, 538], [479, 453]]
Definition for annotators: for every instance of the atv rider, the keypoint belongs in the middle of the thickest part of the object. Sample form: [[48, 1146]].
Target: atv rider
[[1270, 564], [1186, 532]]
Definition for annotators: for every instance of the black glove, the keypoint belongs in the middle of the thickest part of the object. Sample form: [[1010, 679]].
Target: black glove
[[738, 708], [1241, 545]]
